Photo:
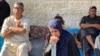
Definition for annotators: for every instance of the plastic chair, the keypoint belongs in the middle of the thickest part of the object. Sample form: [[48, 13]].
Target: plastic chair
[[1, 42]]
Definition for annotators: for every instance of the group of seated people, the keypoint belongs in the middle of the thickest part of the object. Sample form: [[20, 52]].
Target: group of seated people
[[58, 41]]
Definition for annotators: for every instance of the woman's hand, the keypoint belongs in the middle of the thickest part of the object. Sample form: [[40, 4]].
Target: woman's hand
[[54, 39]]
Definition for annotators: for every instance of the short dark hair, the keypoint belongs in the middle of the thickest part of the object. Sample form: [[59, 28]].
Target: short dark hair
[[59, 18], [93, 7], [19, 3]]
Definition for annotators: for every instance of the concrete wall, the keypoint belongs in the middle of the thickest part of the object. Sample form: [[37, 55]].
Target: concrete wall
[[41, 11]]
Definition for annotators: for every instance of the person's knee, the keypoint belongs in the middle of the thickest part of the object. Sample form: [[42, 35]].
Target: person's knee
[[22, 47]]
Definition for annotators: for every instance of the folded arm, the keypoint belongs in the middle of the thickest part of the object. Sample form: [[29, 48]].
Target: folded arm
[[8, 34], [18, 30], [97, 26]]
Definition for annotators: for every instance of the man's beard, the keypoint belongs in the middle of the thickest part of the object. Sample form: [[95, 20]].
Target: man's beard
[[92, 16]]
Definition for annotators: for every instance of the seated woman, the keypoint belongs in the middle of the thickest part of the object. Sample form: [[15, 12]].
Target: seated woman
[[60, 42]]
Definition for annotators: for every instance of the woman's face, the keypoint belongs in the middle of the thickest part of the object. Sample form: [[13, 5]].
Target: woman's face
[[54, 32]]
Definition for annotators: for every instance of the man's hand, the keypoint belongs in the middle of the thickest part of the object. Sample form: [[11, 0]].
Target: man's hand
[[96, 26], [10, 28], [54, 39], [8, 34], [18, 23]]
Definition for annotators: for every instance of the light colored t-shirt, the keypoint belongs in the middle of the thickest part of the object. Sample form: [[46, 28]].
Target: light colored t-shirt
[[10, 21]]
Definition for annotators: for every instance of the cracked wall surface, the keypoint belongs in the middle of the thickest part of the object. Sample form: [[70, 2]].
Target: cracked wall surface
[[41, 11]]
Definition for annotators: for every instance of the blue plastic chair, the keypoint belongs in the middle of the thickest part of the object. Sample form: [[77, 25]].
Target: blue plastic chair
[[1, 42], [73, 30]]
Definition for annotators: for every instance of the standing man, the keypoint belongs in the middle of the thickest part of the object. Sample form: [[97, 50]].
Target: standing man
[[15, 31], [4, 11], [90, 26]]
